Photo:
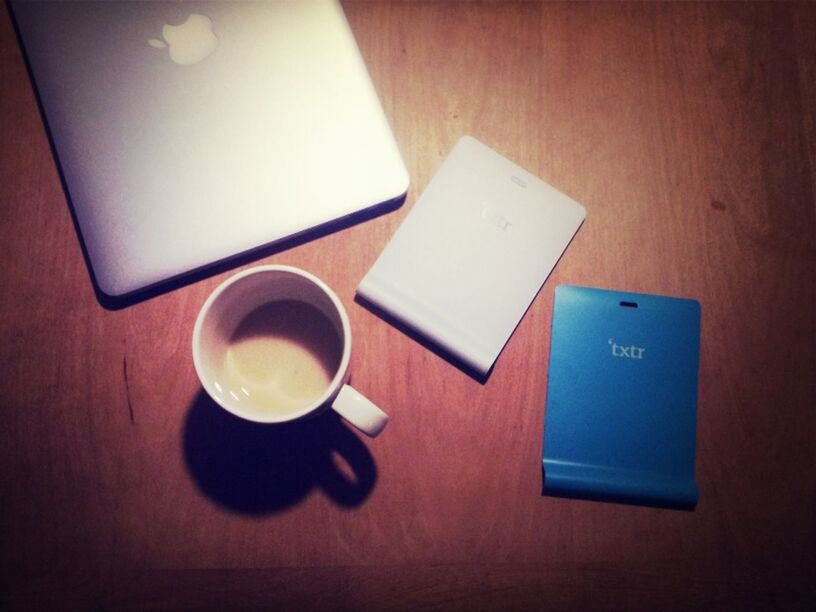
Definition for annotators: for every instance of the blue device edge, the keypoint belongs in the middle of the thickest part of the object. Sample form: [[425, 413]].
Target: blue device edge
[[585, 482]]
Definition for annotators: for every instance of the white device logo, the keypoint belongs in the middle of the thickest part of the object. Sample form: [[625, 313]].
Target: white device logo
[[630, 352], [492, 215], [188, 43]]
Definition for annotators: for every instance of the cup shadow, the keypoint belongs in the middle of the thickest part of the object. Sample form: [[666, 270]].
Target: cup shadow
[[258, 469]]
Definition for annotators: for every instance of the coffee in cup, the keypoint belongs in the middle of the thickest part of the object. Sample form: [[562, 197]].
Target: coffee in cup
[[272, 344]]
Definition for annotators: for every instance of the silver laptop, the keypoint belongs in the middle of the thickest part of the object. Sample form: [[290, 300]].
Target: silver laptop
[[191, 132]]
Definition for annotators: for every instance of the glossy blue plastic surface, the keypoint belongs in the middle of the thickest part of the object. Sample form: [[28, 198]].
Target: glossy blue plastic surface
[[621, 414]]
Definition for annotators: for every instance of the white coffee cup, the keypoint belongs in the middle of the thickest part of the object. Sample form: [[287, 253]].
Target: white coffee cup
[[272, 344]]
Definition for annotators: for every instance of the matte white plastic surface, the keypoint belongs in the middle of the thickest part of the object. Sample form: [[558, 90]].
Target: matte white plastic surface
[[469, 258]]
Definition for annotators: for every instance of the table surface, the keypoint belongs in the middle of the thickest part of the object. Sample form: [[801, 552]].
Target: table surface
[[687, 130]]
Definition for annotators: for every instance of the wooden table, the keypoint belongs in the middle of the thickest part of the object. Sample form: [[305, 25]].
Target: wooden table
[[689, 133]]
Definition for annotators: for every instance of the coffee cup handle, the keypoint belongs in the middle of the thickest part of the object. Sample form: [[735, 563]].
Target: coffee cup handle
[[359, 411]]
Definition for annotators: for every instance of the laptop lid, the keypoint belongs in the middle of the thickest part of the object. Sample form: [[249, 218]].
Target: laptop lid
[[191, 132]]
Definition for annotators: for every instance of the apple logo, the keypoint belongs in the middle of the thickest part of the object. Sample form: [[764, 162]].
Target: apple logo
[[188, 43]]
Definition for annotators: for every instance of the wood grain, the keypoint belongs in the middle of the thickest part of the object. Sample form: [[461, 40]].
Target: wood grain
[[689, 133]]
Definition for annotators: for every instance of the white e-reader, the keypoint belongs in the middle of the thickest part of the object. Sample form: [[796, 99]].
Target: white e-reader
[[471, 255]]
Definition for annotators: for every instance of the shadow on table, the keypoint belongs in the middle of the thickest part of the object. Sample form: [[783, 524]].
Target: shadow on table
[[261, 469]]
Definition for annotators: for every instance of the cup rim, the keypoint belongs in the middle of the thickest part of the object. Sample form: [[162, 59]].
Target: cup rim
[[339, 376]]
